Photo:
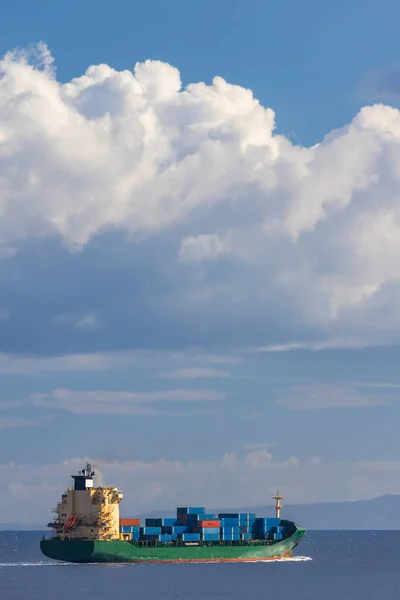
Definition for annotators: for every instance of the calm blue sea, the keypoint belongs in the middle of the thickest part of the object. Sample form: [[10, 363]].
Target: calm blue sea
[[328, 566]]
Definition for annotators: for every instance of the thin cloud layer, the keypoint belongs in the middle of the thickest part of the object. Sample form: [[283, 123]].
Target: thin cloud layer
[[117, 402], [23, 365], [21, 422], [195, 373], [323, 396], [264, 238], [231, 481]]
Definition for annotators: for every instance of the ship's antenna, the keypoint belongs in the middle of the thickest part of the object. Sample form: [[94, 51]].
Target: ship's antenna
[[88, 471], [278, 497]]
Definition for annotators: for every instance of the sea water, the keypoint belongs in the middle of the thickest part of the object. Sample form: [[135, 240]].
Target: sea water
[[340, 565]]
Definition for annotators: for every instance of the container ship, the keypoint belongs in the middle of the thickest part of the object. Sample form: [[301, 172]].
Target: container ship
[[88, 529]]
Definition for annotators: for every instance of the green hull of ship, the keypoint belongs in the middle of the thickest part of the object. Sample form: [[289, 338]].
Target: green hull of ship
[[120, 551]]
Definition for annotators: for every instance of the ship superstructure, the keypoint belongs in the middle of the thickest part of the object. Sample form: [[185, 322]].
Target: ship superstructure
[[88, 528], [87, 512]]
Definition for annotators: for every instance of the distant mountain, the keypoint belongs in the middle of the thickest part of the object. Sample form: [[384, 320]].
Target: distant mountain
[[380, 513]]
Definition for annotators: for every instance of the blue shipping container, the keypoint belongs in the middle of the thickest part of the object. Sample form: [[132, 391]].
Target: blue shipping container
[[230, 529], [136, 535], [196, 510], [240, 516], [211, 537], [264, 525], [196, 517], [229, 522], [166, 529], [190, 537], [181, 519], [193, 517], [159, 522], [168, 522], [279, 529], [125, 529], [164, 537], [150, 530], [130, 529], [210, 530], [183, 510], [151, 523], [230, 537], [179, 529], [270, 522], [245, 536]]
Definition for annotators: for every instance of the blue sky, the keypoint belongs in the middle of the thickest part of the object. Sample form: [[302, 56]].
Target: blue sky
[[199, 254]]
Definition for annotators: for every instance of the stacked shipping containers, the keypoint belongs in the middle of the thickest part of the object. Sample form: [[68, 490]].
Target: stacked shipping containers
[[204, 526], [209, 530], [131, 527], [193, 524], [237, 526]]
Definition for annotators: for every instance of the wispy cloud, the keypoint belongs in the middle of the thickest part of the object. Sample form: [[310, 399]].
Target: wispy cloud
[[117, 402], [21, 422], [88, 323], [201, 247], [202, 357], [285, 347], [328, 344], [11, 404], [376, 385], [194, 373], [21, 365], [323, 396], [254, 446]]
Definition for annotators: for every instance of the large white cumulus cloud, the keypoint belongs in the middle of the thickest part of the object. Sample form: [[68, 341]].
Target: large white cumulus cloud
[[120, 148], [136, 151]]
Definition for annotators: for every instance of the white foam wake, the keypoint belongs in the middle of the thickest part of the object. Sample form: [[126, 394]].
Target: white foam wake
[[296, 559], [273, 560]]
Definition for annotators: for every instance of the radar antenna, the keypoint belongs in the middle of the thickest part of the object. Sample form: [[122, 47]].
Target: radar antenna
[[88, 471]]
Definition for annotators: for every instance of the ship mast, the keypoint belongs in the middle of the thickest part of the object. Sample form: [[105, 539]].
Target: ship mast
[[278, 497], [84, 480]]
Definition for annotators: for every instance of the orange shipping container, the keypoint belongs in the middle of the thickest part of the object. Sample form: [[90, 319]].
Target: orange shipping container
[[209, 524], [129, 522]]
